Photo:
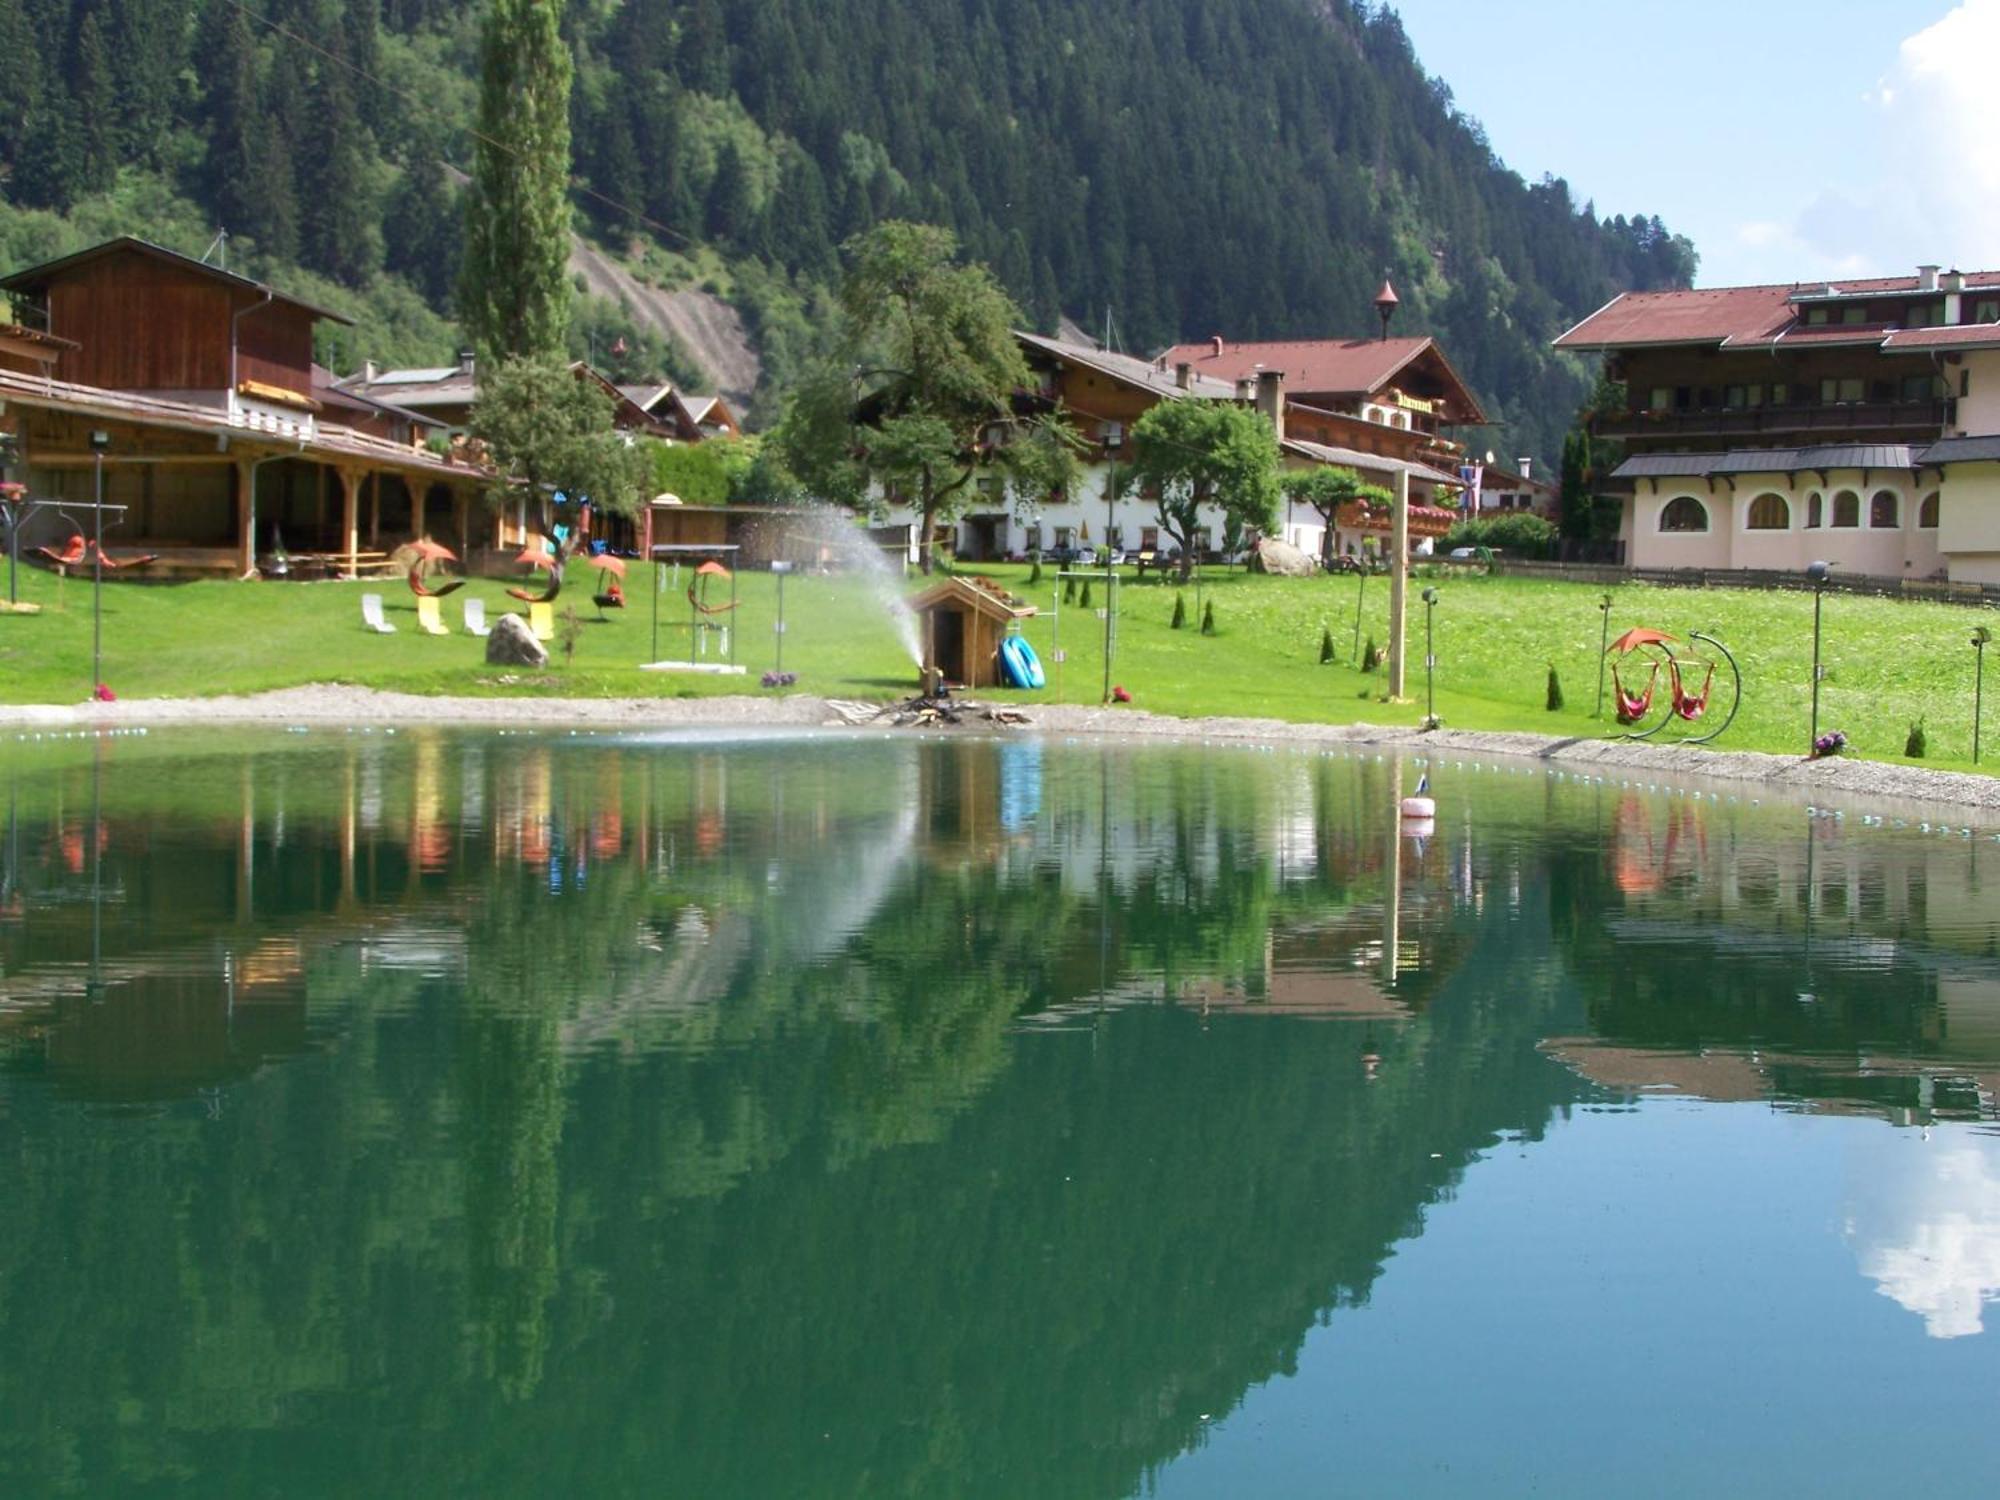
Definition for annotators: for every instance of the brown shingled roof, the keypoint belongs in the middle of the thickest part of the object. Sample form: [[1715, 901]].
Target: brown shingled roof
[[1744, 315], [1967, 336], [1335, 367]]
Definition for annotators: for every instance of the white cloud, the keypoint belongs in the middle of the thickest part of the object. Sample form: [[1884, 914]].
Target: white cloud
[[1940, 113], [1923, 1218]]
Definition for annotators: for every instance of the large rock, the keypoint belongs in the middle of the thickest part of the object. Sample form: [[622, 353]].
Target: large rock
[[513, 644], [1282, 560]]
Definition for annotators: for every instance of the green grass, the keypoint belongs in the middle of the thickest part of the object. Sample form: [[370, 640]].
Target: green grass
[[1887, 661]]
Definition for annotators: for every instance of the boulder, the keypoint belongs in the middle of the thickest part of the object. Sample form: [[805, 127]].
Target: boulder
[[513, 644], [1282, 560]]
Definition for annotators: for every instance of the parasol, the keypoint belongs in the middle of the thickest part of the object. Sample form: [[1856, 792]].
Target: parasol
[[607, 563], [430, 551], [536, 555], [1631, 640]]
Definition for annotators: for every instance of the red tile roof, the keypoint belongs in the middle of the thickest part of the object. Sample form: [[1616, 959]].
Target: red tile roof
[[1338, 367], [1968, 336], [1742, 315]]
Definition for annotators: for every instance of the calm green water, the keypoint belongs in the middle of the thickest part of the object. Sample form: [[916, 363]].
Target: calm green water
[[499, 1115]]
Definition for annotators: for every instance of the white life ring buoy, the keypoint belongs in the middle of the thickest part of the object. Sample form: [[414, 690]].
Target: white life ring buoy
[[1419, 807], [1419, 828]]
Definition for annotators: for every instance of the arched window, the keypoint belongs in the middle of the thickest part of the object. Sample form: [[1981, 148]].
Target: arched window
[[1884, 512], [1847, 509], [1769, 513], [1927, 512], [1815, 511], [1684, 513]]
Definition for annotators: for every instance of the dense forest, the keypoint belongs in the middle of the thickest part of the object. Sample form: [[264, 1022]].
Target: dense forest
[[1163, 168]]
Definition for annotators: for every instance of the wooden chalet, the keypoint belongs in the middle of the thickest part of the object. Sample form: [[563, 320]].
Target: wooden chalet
[[220, 440], [691, 419], [962, 621]]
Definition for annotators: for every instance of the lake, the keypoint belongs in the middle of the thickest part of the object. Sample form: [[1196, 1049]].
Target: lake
[[448, 1113]]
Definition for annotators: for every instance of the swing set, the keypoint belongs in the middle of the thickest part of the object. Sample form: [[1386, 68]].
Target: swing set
[[1690, 677]]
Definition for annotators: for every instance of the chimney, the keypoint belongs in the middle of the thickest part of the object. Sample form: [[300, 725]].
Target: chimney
[[1271, 399], [1954, 304], [369, 371], [465, 360], [1927, 278], [1527, 467], [1184, 375], [1246, 389], [1215, 345]]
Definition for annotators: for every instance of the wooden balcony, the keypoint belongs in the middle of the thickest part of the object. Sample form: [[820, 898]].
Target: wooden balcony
[[1903, 418]]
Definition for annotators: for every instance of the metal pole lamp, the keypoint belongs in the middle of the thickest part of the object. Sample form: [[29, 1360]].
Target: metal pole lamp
[[1816, 572], [780, 568], [1980, 636], [99, 442], [1603, 648], [1430, 659]]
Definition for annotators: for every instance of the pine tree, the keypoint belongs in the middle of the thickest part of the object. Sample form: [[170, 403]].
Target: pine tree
[[1325, 645], [1555, 694], [1179, 620], [1208, 618], [514, 293], [338, 218], [424, 229], [97, 106], [731, 207], [20, 78]]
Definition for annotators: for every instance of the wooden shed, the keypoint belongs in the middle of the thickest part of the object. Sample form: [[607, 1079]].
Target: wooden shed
[[962, 621]]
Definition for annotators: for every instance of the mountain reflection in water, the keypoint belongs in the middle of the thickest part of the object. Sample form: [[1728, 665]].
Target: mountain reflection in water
[[505, 1115]]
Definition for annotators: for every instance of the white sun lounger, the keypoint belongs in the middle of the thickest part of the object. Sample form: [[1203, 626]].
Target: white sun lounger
[[475, 618], [371, 615]]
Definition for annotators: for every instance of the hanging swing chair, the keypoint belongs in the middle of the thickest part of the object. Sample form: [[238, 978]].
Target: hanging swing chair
[[698, 589], [428, 552], [1685, 703]]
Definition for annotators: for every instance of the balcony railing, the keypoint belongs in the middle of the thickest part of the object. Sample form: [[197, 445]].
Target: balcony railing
[[1927, 415]]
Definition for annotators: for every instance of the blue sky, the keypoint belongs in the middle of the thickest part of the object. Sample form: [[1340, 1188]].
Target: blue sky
[[1789, 138]]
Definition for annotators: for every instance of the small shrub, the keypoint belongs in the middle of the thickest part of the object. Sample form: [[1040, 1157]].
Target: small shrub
[[1371, 658], [1830, 743], [1325, 645], [1208, 618], [1084, 602], [1179, 621], [568, 628], [1916, 744], [1555, 690]]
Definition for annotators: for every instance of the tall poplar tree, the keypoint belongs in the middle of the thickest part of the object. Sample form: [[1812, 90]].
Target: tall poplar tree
[[513, 289]]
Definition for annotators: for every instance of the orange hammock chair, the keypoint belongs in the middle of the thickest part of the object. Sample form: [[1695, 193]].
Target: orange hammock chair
[[710, 570]]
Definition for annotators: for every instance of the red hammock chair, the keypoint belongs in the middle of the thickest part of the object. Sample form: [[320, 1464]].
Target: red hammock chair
[[1691, 706], [1632, 707], [139, 560], [424, 591], [714, 570], [72, 553]]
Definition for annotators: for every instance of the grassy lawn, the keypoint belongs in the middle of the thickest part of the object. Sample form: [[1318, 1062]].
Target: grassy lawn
[[1888, 662]]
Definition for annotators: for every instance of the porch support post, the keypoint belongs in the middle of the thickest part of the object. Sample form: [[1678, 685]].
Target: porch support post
[[374, 511], [1399, 574], [246, 515], [350, 519]]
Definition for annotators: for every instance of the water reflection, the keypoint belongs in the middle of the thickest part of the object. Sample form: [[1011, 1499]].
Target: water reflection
[[505, 1115]]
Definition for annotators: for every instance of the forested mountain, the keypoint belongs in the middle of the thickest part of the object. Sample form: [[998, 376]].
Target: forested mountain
[[1183, 166]]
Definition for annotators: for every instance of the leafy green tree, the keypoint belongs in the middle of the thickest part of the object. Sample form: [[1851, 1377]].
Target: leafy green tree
[[549, 429], [514, 292], [916, 400], [1324, 489], [1196, 453]]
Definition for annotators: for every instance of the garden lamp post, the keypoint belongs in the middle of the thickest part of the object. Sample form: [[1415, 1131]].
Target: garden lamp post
[[780, 568], [99, 441], [1360, 595], [1603, 649], [1430, 659], [1980, 636], [1816, 572]]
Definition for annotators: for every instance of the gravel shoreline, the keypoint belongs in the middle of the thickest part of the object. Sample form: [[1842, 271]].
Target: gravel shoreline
[[1835, 778]]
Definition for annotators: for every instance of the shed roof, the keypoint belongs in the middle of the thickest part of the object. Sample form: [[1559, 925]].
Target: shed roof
[[1962, 450], [1768, 460], [975, 594]]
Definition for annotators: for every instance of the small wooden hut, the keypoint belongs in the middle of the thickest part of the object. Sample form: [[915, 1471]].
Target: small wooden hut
[[962, 621]]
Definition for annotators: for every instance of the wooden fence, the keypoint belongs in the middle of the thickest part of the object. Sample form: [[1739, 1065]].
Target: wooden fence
[[1934, 589]]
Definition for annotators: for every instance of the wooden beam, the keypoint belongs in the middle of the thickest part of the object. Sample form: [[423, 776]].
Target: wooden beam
[[374, 509], [115, 459]]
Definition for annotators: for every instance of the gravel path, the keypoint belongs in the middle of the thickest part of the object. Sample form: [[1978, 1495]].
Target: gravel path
[[327, 705]]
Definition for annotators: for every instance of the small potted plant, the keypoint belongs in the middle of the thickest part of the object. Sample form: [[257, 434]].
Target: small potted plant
[[1830, 743]]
